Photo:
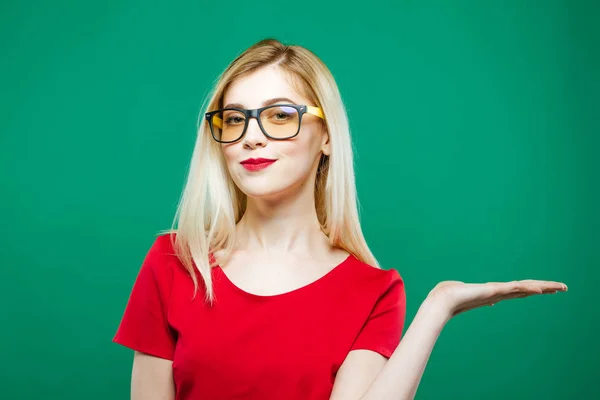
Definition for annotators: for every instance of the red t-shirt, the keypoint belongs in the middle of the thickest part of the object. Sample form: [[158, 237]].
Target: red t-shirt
[[247, 346]]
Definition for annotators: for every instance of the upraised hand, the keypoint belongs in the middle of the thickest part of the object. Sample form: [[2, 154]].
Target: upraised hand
[[457, 297], [402, 373]]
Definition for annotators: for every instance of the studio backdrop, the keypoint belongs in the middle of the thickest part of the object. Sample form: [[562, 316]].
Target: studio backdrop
[[475, 128]]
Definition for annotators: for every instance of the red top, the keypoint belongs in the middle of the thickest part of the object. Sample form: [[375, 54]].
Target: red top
[[248, 346]]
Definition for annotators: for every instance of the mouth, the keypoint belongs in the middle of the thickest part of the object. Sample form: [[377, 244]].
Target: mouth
[[256, 164]]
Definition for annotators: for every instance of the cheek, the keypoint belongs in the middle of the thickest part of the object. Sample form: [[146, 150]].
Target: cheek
[[231, 154], [305, 147], [298, 159]]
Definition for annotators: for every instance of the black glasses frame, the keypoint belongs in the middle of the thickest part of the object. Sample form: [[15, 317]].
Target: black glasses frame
[[255, 113]]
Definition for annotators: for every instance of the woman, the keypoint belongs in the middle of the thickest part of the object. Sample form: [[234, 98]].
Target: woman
[[294, 304]]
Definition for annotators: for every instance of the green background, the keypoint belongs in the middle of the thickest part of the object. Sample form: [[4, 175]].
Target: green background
[[476, 134]]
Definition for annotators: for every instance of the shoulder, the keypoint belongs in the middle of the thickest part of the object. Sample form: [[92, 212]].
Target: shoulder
[[160, 258], [371, 287], [376, 295], [375, 278], [163, 244]]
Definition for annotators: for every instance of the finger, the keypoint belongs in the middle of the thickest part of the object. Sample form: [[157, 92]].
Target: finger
[[550, 291], [491, 301], [501, 289], [523, 286], [518, 295], [535, 286], [553, 285], [493, 292]]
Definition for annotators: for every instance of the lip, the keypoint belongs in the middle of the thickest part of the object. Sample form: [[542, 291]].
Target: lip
[[256, 164]]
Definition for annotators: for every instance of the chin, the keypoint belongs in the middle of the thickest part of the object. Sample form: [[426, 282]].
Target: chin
[[263, 188], [261, 192], [269, 186]]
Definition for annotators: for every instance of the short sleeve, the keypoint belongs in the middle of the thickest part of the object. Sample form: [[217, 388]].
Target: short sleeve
[[383, 329], [144, 325]]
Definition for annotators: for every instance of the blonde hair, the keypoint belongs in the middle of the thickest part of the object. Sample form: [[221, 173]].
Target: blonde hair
[[211, 204]]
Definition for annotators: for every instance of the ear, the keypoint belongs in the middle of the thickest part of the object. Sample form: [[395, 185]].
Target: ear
[[326, 144]]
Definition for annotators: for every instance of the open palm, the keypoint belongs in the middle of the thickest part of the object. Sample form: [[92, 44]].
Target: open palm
[[459, 296]]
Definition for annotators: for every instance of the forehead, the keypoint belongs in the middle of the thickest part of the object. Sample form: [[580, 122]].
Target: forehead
[[266, 83]]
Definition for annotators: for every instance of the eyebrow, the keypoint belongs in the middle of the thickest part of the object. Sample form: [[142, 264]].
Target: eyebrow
[[265, 103]]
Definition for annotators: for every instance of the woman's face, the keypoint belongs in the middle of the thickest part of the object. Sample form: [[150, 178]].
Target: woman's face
[[296, 159]]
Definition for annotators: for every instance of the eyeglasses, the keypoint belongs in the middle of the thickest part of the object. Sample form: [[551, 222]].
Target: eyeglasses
[[278, 121]]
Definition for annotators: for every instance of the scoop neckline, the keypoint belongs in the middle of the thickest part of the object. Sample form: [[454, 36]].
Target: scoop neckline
[[308, 286]]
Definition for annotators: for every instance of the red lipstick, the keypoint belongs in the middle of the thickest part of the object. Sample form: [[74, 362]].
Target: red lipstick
[[256, 164]]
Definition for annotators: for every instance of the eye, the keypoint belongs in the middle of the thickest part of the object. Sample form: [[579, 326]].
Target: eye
[[234, 118], [282, 114]]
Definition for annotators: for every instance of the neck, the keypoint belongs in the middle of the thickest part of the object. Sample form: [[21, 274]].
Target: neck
[[287, 225]]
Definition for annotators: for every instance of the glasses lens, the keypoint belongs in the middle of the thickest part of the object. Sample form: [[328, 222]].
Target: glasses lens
[[280, 122], [228, 125]]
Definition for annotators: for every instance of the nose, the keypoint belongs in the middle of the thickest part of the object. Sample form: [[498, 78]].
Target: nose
[[254, 136]]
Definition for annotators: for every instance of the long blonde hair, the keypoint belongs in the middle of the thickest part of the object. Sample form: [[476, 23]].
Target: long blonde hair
[[211, 204]]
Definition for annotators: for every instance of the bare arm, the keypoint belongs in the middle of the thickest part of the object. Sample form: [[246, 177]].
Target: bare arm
[[401, 375], [151, 378]]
